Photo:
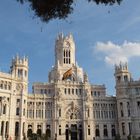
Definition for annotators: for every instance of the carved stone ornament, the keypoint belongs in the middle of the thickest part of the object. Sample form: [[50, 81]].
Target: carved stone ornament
[[58, 76], [19, 87], [85, 78], [4, 100], [59, 94], [72, 105]]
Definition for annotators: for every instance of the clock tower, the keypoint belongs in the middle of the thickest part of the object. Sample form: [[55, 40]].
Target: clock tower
[[65, 66], [65, 51]]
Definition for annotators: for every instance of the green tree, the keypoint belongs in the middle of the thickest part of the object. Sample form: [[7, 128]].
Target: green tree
[[47, 10], [117, 137]]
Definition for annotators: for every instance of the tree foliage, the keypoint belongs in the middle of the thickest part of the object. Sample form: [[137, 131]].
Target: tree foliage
[[52, 9]]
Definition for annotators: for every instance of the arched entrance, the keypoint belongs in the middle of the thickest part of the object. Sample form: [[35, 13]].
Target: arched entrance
[[48, 133], [39, 132], [80, 132], [73, 132], [74, 120], [29, 132]]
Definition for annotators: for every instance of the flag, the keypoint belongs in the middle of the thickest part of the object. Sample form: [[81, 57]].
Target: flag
[[67, 74]]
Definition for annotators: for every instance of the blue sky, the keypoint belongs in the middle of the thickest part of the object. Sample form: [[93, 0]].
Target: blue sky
[[104, 35]]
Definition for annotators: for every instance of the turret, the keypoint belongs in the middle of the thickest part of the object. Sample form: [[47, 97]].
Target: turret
[[122, 73], [64, 50], [19, 68]]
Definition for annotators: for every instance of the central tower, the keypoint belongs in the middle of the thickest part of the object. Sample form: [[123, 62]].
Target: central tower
[[64, 51], [65, 67]]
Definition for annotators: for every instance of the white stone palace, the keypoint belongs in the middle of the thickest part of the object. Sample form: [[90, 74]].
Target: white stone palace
[[68, 107]]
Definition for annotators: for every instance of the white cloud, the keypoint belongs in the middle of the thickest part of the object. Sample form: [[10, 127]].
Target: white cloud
[[114, 54]]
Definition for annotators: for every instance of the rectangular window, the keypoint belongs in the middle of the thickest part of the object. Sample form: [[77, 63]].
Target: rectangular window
[[59, 131], [45, 91], [17, 111], [2, 127], [17, 129], [24, 112], [88, 112], [65, 91], [4, 109], [88, 131], [18, 101], [123, 128], [129, 125], [41, 91], [66, 60], [69, 60], [80, 91], [94, 93], [69, 90], [138, 104], [121, 108], [125, 78], [59, 112], [72, 91], [105, 131]]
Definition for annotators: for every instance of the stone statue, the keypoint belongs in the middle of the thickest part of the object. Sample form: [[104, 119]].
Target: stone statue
[[58, 76], [85, 77]]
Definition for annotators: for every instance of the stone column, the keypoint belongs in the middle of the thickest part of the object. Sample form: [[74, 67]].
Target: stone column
[[34, 125], [20, 129], [0, 108], [44, 123], [55, 119], [3, 136], [44, 128], [0, 129], [35, 110], [84, 126], [25, 128]]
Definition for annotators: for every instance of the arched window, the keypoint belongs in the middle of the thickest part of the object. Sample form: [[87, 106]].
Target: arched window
[[48, 133], [105, 131], [121, 109], [59, 129], [113, 132], [66, 56], [4, 109], [97, 132], [6, 129], [17, 129], [64, 53], [29, 132], [59, 112], [2, 127], [39, 132], [69, 53], [17, 111], [88, 113], [67, 134]]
